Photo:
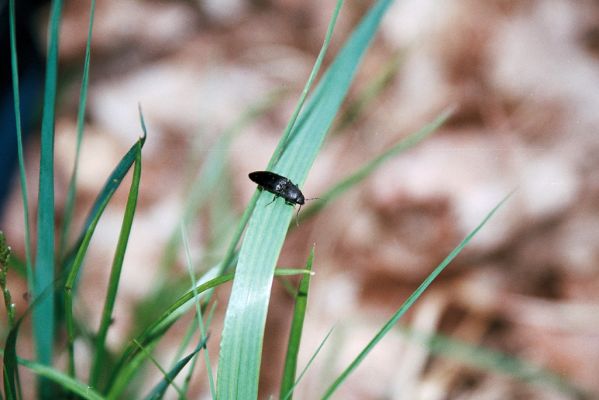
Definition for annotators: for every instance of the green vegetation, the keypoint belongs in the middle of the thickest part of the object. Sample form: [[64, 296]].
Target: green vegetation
[[249, 263]]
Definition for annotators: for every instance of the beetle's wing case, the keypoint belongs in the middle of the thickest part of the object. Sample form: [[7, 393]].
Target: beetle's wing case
[[266, 179]]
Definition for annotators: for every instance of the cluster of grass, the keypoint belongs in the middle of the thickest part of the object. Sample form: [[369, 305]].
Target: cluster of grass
[[250, 263]]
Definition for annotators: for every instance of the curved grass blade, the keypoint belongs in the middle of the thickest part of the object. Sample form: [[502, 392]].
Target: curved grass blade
[[199, 318], [241, 344], [159, 390], [300, 104], [10, 373], [370, 93], [409, 302], [70, 202], [12, 387], [295, 334], [129, 362], [112, 183], [494, 361], [22, 173], [365, 171], [213, 170], [230, 254], [65, 381], [78, 258], [117, 264], [43, 314], [308, 364]]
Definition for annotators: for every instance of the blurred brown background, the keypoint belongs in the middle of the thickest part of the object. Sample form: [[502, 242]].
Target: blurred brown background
[[525, 78]]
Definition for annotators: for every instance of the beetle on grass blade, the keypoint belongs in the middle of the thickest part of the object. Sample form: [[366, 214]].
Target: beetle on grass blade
[[280, 187]]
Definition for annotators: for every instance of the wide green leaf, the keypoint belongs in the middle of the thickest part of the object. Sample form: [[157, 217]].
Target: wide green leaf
[[243, 332]]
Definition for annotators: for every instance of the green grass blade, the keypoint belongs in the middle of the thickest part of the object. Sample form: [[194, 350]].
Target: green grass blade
[[66, 382], [43, 314], [308, 364], [295, 334], [70, 202], [241, 344], [78, 258], [117, 265], [128, 363], [200, 321], [300, 104], [231, 250], [22, 173], [10, 372], [494, 361], [112, 183], [12, 387], [363, 172], [159, 390], [70, 284], [409, 302], [212, 172], [370, 93]]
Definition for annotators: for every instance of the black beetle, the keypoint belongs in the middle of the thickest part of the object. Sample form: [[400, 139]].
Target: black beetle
[[280, 187]]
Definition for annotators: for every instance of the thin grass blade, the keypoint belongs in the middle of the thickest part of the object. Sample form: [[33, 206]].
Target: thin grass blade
[[243, 332], [112, 183], [159, 390], [308, 364], [78, 258], [295, 334], [212, 172], [43, 314], [22, 172], [366, 170], [370, 93], [70, 202], [117, 265], [198, 306], [131, 358], [494, 361], [409, 302], [66, 382]]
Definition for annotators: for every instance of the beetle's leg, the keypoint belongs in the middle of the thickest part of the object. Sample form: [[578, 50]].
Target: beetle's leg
[[273, 200]]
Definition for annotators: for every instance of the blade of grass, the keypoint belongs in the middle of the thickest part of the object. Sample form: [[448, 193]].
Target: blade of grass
[[66, 382], [409, 302], [70, 202], [295, 334], [212, 171], [231, 250], [493, 361], [311, 78], [371, 92], [241, 343], [203, 333], [12, 386], [117, 265], [159, 390], [102, 201], [112, 183], [308, 364], [43, 314], [187, 380], [367, 169], [131, 358], [22, 172]]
